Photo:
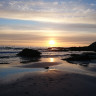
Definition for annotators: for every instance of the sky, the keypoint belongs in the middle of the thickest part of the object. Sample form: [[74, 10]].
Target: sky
[[36, 22]]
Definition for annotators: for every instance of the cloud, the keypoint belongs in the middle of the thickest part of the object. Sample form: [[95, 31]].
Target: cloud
[[49, 29], [37, 21], [41, 40], [20, 37], [46, 11]]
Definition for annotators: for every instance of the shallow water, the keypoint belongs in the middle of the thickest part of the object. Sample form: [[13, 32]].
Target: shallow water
[[11, 64]]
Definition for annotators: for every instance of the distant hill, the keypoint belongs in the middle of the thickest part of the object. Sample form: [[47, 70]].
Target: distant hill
[[91, 47]]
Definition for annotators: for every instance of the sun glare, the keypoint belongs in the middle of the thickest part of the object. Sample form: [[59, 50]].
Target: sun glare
[[51, 42], [51, 59]]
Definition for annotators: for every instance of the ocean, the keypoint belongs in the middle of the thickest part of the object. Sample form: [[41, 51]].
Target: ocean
[[11, 64]]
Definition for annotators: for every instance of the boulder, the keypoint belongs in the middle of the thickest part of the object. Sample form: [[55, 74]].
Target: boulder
[[78, 57], [86, 56], [29, 53]]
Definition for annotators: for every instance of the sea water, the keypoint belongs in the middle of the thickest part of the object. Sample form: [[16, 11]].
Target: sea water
[[11, 64]]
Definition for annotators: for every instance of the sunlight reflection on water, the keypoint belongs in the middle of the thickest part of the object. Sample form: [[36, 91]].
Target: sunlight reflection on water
[[53, 60]]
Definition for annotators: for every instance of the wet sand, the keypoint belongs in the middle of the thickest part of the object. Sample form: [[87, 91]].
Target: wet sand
[[40, 65], [50, 83]]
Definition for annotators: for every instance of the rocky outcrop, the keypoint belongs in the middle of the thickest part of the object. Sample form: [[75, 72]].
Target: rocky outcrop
[[91, 47], [29, 53], [84, 58]]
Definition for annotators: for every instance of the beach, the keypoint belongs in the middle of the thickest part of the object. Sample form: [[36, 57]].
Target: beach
[[47, 47], [50, 83], [49, 75]]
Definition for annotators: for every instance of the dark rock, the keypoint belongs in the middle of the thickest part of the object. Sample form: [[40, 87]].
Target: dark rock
[[80, 49], [78, 57], [29, 53], [4, 56], [91, 47], [83, 59], [26, 92], [4, 63], [46, 67]]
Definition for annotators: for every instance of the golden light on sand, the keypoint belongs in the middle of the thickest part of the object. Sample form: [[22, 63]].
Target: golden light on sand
[[51, 42]]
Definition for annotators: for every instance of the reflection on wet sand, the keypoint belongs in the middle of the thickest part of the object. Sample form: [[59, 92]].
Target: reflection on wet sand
[[29, 60], [40, 64]]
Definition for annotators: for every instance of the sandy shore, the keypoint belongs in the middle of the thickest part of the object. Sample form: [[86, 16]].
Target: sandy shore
[[50, 83], [40, 65]]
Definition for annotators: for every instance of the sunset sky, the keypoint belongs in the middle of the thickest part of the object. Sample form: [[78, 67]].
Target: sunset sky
[[36, 22]]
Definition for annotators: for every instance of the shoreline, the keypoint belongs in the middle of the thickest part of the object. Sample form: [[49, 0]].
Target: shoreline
[[50, 83]]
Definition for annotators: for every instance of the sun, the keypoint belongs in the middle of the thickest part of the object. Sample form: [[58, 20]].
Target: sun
[[51, 42]]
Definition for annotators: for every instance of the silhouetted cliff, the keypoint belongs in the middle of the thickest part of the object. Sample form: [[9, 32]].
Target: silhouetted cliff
[[91, 47]]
